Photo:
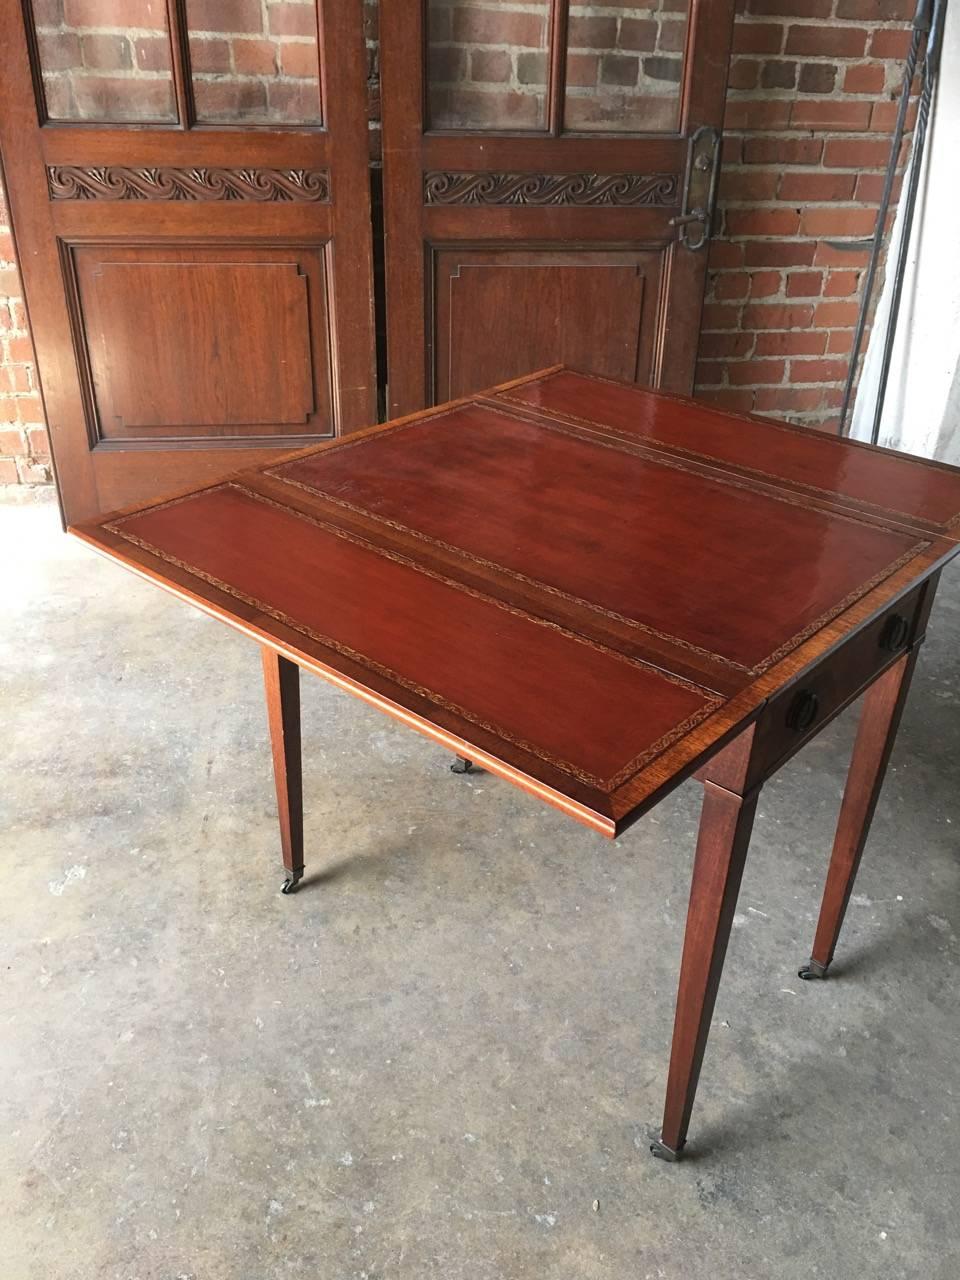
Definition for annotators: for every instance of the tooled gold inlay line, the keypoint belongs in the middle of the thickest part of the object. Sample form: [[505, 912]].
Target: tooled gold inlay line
[[349, 536], [784, 427], [480, 560], [474, 558], [596, 433], [768, 479], [634, 450], [711, 701], [644, 628]]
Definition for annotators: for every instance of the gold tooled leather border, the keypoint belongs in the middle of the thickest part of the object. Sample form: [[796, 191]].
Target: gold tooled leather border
[[711, 701], [660, 459]]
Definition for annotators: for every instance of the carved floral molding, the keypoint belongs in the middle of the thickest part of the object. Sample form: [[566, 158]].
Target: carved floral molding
[[614, 189], [120, 182]]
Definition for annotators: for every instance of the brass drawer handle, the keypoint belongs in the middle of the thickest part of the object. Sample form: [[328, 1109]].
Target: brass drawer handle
[[894, 633], [803, 710]]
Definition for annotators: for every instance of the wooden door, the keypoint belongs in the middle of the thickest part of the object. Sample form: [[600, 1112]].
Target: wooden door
[[189, 192], [536, 158]]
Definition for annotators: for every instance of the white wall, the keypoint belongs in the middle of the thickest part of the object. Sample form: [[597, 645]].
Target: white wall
[[922, 408]]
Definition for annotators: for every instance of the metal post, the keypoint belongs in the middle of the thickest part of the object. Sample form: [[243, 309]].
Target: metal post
[[931, 67], [921, 30]]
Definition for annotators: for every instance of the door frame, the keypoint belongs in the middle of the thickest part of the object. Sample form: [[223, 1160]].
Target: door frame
[[411, 151], [41, 227]]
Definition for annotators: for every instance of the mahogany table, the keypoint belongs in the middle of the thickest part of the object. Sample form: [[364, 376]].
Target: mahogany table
[[593, 591]]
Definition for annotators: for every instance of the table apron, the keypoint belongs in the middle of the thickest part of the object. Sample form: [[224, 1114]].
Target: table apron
[[797, 713]]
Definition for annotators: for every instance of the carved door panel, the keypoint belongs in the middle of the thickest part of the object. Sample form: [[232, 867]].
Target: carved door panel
[[189, 192], [549, 169]]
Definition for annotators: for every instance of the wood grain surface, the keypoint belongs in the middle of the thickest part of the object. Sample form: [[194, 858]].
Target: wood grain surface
[[586, 587]]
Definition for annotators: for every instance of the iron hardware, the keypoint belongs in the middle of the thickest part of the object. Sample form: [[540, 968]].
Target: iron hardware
[[699, 188], [698, 215], [803, 710], [894, 633]]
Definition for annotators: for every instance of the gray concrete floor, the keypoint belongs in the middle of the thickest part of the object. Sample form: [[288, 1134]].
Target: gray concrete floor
[[438, 1056]]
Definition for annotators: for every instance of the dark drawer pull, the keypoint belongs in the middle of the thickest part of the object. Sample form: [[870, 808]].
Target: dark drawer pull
[[803, 710], [894, 633]]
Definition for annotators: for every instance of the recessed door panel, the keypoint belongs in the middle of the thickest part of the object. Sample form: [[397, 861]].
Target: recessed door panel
[[213, 343], [593, 309], [189, 189]]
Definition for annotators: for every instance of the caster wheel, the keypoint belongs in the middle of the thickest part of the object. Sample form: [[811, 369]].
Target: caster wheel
[[660, 1151], [462, 765], [290, 885], [811, 971]]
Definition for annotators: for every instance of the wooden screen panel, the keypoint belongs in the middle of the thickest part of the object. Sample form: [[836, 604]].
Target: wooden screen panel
[[594, 309], [204, 342], [526, 180]]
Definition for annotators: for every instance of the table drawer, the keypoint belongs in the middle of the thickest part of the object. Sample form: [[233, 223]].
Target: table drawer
[[800, 711]]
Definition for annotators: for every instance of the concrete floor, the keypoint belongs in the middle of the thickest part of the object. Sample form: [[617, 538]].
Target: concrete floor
[[448, 1048]]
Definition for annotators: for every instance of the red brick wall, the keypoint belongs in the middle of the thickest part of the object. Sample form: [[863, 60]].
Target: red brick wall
[[488, 64], [811, 107], [24, 452], [251, 59]]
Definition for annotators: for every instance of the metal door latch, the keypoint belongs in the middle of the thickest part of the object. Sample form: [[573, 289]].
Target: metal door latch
[[699, 188]]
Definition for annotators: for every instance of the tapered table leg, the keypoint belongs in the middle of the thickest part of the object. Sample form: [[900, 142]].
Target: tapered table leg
[[281, 681], [879, 721], [725, 827]]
